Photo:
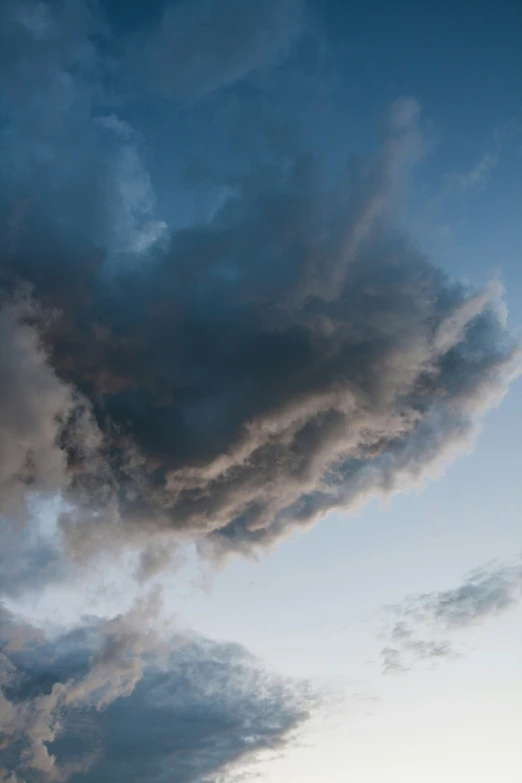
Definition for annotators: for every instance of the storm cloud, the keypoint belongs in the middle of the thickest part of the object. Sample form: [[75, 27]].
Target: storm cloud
[[289, 353], [103, 702]]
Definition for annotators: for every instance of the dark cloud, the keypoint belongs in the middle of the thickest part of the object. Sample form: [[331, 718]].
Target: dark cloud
[[420, 620], [101, 703], [38, 412], [288, 354]]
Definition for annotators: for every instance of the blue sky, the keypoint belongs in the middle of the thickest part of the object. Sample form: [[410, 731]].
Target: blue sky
[[260, 412]]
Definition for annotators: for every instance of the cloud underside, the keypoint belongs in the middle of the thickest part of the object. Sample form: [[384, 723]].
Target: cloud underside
[[289, 354], [101, 704], [292, 356]]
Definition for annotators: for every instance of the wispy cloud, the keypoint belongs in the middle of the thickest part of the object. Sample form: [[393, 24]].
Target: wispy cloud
[[478, 175], [424, 627]]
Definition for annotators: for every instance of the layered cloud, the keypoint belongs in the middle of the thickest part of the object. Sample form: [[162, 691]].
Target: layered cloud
[[112, 701], [426, 625]]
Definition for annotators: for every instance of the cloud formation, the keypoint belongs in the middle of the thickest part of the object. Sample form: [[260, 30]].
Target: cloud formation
[[477, 177], [103, 703], [420, 620], [289, 354]]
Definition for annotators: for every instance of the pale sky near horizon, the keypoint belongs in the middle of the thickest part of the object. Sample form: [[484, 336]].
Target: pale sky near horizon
[[174, 151], [314, 608]]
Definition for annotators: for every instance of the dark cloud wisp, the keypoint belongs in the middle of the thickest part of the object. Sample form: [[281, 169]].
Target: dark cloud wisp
[[424, 624]]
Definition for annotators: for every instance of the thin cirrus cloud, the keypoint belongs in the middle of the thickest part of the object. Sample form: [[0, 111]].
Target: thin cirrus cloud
[[476, 178], [424, 626]]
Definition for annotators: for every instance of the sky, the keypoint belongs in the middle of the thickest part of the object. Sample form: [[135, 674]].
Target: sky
[[260, 409]]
